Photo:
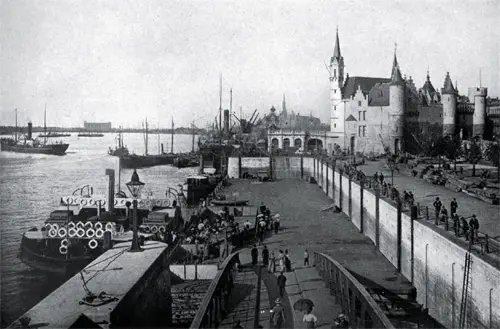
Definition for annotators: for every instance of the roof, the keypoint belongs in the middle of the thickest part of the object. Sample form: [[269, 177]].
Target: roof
[[197, 177], [351, 118], [448, 85], [336, 51], [379, 95], [366, 84]]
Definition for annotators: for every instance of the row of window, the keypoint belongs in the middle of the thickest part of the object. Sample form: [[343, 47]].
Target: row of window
[[361, 131], [361, 114]]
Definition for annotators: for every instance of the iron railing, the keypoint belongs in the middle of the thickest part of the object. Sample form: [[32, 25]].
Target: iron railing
[[215, 304], [356, 302]]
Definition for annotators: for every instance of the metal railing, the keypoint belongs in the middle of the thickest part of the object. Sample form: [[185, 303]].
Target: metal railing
[[356, 302], [215, 304]]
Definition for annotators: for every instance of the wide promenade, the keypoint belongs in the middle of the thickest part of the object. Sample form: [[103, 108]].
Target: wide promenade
[[305, 226]]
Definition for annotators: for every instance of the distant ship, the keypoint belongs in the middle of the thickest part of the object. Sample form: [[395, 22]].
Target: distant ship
[[120, 149], [53, 134], [27, 144], [187, 160], [88, 134]]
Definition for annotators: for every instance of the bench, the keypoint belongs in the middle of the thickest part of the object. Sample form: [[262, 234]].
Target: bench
[[263, 175]]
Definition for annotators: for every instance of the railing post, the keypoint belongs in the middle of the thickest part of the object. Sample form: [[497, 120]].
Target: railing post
[[302, 166], [350, 197], [361, 211], [426, 213], [327, 170], [377, 217], [340, 187], [399, 206]]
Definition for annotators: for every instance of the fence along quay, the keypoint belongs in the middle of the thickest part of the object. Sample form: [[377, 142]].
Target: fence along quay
[[432, 259]]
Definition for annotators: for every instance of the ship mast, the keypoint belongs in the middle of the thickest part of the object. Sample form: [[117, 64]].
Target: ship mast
[[15, 131], [192, 149], [220, 110], [45, 124], [172, 138]]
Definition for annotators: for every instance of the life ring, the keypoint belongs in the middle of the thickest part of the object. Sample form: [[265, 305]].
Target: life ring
[[166, 203], [162, 229], [99, 233], [89, 224], [63, 250], [69, 201], [64, 242], [122, 202], [116, 202], [98, 226], [109, 226], [148, 203], [62, 232], [93, 244], [80, 232], [90, 233], [47, 226], [154, 229], [141, 203], [80, 225], [52, 233], [158, 203], [91, 202], [83, 202], [55, 227], [72, 232], [71, 225], [147, 229]]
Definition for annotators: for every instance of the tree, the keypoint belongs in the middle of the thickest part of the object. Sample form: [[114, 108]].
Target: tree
[[452, 148], [473, 154], [493, 154]]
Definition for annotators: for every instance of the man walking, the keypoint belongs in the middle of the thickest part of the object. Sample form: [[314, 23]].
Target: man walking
[[381, 178], [306, 258], [255, 254], [281, 283], [453, 206], [278, 314], [265, 256], [437, 207]]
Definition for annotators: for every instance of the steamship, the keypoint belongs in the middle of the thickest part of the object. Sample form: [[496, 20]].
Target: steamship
[[26, 144]]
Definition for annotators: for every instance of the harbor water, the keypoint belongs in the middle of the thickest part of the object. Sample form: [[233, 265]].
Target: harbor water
[[31, 186]]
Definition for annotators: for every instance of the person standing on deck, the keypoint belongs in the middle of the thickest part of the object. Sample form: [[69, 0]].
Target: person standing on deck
[[281, 283], [255, 254], [453, 207], [265, 256]]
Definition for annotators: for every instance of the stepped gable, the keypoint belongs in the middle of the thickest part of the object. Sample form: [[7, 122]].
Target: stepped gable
[[365, 83]]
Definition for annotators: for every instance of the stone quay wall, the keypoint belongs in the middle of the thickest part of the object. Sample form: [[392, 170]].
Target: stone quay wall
[[427, 258]]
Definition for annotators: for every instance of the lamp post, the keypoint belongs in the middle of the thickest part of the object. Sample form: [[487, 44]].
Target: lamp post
[[135, 186]]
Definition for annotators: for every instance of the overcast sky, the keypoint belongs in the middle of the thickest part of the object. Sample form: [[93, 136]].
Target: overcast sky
[[122, 60]]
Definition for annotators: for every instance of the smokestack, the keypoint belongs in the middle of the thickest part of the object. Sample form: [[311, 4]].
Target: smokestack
[[110, 205], [226, 122], [30, 129]]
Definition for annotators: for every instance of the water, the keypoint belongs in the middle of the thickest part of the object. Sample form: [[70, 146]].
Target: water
[[31, 187]]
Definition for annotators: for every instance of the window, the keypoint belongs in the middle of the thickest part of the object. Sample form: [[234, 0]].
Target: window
[[364, 115], [335, 72], [334, 91], [359, 103], [359, 115], [397, 129], [335, 108], [334, 125], [360, 128], [364, 131]]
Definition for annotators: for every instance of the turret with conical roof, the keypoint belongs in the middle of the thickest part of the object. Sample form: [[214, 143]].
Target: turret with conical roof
[[396, 77], [449, 101], [397, 104]]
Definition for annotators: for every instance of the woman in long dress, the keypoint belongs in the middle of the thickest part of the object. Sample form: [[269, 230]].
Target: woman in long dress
[[272, 263], [282, 261]]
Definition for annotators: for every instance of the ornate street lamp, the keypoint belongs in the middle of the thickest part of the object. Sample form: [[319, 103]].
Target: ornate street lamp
[[135, 186]]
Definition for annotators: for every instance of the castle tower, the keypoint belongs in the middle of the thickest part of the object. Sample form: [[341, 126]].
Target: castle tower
[[449, 102], [478, 97], [283, 108], [397, 108], [337, 109]]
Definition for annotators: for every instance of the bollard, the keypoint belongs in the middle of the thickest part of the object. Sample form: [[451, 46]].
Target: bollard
[[426, 213], [487, 245]]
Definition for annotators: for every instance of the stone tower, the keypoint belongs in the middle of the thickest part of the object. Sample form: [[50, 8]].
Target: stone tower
[[478, 97], [397, 108], [449, 102], [337, 109]]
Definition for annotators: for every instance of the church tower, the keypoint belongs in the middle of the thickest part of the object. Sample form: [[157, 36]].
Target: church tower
[[337, 109], [397, 108]]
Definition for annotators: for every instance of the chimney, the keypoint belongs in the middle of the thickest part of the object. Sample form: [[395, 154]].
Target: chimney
[[226, 122], [111, 190], [30, 129]]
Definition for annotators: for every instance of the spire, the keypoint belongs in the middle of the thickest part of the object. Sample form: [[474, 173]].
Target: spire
[[396, 74], [448, 85], [284, 105], [395, 61], [428, 76], [336, 51]]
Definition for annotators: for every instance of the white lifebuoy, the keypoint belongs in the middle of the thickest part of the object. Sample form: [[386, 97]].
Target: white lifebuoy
[[62, 232], [98, 226], [63, 250], [99, 233], [166, 203], [141, 203], [48, 226], [154, 229], [52, 233], [93, 244], [148, 203], [90, 233], [158, 203], [162, 229], [116, 202], [80, 225], [55, 227], [83, 202], [122, 202], [71, 225], [91, 202], [89, 224], [72, 232], [64, 242], [109, 226], [80, 232], [147, 229]]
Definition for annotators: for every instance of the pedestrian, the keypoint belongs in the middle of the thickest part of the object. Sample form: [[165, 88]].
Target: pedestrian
[[281, 283], [272, 263], [262, 208], [375, 177], [381, 178], [288, 263], [465, 228], [437, 207], [309, 319], [255, 254], [453, 207], [456, 225], [276, 225], [306, 258], [281, 261], [474, 225], [412, 198], [265, 256], [278, 314]]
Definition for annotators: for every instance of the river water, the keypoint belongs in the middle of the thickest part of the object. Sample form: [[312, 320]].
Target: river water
[[31, 187]]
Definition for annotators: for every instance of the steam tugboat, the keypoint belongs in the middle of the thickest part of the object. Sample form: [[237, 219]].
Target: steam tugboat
[[81, 230]]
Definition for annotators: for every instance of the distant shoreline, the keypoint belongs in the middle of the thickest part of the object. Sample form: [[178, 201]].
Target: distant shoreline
[[4, 130]]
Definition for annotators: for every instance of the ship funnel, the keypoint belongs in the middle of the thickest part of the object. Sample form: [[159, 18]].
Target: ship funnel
[[226, 122], [30, 130], [111, 190]]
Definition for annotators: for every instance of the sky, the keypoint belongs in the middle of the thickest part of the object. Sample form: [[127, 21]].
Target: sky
[[124, 60]]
